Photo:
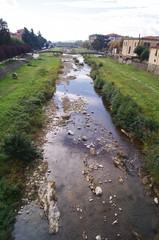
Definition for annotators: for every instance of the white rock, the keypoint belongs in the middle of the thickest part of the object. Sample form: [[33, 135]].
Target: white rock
[[98, 237], [156, 200], [98, 191], [47, 200], [115, 222]]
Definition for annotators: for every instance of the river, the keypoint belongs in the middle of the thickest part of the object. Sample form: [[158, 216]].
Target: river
[[80, 152]]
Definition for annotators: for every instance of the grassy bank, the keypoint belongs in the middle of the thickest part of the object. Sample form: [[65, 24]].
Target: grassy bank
[[134, 103], [22, 115]]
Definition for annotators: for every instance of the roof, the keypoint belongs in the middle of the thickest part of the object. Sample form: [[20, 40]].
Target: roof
[[144, 38], [113, 35], [152, 37]]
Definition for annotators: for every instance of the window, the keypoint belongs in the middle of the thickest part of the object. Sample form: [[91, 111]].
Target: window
[[129, 50], [156, 52]]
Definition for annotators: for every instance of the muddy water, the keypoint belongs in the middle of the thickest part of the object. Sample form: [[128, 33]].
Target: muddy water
[[125, 210]]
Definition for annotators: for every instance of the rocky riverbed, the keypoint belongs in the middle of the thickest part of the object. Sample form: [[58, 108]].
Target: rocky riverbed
[[91, 182]]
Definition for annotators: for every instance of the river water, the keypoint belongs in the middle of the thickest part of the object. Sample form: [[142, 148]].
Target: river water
[[125, 210]]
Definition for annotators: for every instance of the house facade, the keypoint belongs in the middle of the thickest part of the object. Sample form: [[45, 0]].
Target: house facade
[[129, 44], [153, 63]]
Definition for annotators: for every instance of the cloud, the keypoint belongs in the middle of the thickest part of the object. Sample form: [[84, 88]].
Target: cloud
[[100, 3], [8, 3]]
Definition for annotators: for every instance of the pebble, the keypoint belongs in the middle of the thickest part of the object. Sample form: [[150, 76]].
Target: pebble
[[70, 133], [156, 200], [91, 199], [98, 237], [98, 191], [84, 138], [115, 222]]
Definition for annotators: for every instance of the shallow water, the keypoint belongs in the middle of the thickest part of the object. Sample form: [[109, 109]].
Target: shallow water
[[128, 203]]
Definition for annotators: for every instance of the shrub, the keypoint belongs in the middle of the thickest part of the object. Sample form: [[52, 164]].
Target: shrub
[[18, 146]]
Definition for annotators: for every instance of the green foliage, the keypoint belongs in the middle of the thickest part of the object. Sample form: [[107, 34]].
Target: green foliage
[[145, 54], [16, 41], [142, 52], [9, 197], [100, 43], [34, 41], [18, 146], [4, 33]]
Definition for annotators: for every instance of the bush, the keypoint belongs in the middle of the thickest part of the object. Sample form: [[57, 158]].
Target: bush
[[9, 198], [18, 146]]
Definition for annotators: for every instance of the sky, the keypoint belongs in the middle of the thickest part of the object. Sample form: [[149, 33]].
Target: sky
[[64, 20]]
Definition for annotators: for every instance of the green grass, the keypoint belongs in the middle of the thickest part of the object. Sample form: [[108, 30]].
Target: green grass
[[2, 65], [146, 96], [15, 93], [21, 118]]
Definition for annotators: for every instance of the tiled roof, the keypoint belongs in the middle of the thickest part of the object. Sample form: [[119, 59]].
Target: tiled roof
[[113, 35]]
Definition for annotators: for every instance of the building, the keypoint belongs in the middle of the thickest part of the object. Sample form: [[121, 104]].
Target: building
[[18, 34], [153, 63], [129, 44], [94, 36], [113, 37]]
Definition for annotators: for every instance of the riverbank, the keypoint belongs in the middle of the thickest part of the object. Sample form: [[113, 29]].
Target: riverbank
[[133, 97], [22, 116]]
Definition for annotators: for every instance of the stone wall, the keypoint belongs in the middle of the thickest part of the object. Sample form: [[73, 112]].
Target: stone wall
[[153, 68], [12, 66]]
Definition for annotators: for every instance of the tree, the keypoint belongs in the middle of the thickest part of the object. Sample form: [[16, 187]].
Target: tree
[[100, 43], [142, 52], [4, 33], [145, 54], [34, 41]]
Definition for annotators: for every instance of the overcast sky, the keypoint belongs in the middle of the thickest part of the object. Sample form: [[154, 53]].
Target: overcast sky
[[77, 19]]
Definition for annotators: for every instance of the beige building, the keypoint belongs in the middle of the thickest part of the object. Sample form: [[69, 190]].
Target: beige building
[[153, 63], [129, 44]]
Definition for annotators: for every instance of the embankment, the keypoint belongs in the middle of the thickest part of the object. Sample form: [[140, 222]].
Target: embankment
[[132, 96]]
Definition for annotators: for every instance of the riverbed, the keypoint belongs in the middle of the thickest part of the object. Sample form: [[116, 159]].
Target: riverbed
[[84, 150]]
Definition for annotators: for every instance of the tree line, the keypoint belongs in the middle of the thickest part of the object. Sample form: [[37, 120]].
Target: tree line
[[11, 46]]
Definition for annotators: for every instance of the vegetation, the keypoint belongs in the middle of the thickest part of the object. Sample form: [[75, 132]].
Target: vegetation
[[142, 52], [132, 94], [10, 47], [21, 119], [100, 43], [34, 41]]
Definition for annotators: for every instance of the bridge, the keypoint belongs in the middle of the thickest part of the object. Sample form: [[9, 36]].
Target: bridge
[[73, 53]]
